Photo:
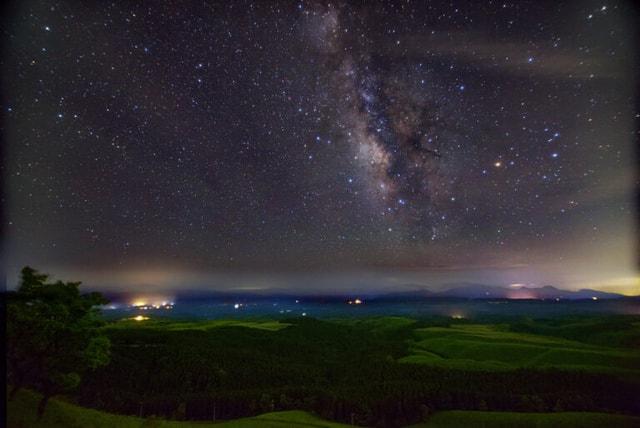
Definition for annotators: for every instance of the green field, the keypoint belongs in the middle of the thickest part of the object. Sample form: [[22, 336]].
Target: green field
[[380, 325], [494, 347], [376, 371], [204, 325], [455, 419], [60, 414], [21, 413]]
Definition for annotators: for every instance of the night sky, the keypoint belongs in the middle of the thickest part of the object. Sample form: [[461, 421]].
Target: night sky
[[326, 146]]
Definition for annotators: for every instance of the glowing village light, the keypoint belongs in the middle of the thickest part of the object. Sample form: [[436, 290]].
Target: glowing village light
[[151, 303], [140, 318]]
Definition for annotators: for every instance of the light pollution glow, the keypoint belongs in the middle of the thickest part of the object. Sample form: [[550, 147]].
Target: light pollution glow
[[153, 287]]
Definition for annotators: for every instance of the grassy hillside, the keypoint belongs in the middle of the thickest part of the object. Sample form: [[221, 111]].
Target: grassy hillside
[[292, 418], [21, 413], [454, 419], [618, 331], [172, 325], [494, 347], [356, 369], [60, 414]]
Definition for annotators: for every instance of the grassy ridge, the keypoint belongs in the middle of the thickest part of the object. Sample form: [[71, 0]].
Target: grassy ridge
[[493, 347], [613, 330], [455, 419], [21, 413], [59, 414], [171, 325]]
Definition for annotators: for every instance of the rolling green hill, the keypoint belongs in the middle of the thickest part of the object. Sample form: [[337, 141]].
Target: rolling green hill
[[60, 414], [493, 347], [21, 413], [202, 325], [455, 419], [378, 371]]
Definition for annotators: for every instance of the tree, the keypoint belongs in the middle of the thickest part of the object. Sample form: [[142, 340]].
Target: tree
[[52, 335]]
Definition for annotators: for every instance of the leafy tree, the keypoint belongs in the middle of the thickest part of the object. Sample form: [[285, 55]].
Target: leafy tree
[[52, 335]]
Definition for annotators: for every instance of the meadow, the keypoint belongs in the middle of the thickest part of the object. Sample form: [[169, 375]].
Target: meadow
[[61, 414], [495, 347]]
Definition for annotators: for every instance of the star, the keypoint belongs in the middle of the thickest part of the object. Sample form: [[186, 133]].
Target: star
[[291, 141]]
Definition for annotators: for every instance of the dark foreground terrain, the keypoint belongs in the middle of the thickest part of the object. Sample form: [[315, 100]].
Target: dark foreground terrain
[[380, 371]]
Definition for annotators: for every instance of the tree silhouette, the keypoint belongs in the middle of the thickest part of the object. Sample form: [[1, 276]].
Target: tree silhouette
[[52, 335]]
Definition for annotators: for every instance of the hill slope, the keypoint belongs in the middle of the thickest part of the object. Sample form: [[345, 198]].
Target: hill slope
[[453, 419], [59, 414], [21, 413], [493, 347]]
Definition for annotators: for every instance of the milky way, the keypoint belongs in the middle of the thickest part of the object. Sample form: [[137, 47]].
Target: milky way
[[398, 134], [152, 139]]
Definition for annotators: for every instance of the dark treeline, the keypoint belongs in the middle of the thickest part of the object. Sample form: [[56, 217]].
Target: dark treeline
[[339, 372]]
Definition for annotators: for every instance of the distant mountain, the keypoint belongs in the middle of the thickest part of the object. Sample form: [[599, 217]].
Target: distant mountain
[[482, 291], [473, 291], [586, 293], [409, 293]]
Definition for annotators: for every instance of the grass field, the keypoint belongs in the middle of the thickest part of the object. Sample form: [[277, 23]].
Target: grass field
[[59, 414], [494, 347], [454, 419], [21, 413], [171, 325], [379, 324]]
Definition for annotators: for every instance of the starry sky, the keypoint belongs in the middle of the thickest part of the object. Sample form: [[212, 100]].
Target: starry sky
[[321, 145]]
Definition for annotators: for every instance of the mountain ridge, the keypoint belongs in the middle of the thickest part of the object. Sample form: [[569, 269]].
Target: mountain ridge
[[466, 291]]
